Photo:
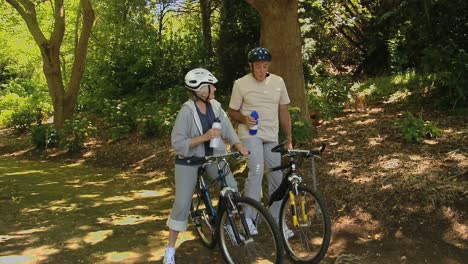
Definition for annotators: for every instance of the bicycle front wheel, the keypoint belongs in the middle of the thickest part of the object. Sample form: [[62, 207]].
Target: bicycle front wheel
[[263, 247], [306, 241]]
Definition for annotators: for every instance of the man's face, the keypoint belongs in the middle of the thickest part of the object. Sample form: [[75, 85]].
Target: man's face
[[260, 70]]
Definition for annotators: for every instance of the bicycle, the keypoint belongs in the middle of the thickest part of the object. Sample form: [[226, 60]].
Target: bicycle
[[227, 224], [302, 210]]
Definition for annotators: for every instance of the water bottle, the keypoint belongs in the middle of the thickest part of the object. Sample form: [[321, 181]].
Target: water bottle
[[216, 142], [253, 129]]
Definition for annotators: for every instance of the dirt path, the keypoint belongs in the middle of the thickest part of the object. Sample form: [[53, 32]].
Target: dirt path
[[390, 202]]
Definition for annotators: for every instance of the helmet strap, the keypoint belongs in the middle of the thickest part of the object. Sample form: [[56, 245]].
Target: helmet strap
[[208, 96]]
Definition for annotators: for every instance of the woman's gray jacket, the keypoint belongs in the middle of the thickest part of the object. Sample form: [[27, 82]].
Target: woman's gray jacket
[[188, 126]]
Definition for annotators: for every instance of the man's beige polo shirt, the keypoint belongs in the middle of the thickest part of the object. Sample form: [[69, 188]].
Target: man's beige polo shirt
[[250, 95]]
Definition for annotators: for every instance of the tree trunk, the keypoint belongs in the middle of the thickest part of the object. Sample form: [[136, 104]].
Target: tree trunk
[[280, 33], [205, 6], [63, 100]]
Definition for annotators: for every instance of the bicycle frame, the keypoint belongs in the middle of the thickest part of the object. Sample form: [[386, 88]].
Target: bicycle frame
[[225, 193], [291, 181]]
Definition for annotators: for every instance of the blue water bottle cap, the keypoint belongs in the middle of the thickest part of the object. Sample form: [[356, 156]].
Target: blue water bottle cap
[[254, 114]]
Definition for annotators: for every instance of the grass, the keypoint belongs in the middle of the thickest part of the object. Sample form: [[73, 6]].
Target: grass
[[62, 213]]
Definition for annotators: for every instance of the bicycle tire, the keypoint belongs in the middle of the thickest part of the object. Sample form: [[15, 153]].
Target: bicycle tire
[[205, 225], [265, 247], [311, 237]]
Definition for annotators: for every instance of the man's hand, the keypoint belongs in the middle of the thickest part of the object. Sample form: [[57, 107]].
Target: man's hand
[[250, 121]]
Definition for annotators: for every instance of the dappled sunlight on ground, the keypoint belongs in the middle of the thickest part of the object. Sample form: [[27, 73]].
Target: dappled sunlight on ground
[[32, 231], [90, 196], [362, 227], [126, 219], [96, 237], [13, 259], [389, 202], [457, 233], [31, 255], [121, 257], [27, 172]]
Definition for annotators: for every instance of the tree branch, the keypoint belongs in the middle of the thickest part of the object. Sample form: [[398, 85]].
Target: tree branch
[[81, 49], [27, 11]]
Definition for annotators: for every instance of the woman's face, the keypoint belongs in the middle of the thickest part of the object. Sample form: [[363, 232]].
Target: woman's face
[[212, 92], [260, 70], [203, 93]]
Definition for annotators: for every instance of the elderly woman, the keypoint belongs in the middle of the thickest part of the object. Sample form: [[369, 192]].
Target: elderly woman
[[190, 137]]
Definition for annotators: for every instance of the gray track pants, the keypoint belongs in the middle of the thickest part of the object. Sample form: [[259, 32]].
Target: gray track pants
[[185, 182], [261, 157]]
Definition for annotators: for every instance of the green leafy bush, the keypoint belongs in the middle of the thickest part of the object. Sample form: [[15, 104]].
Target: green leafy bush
[[415, 129], [76, 131], [24, 117], [301, 129], [157, 120], [119, 114], [328, 93], [23, 103], [45, 136]]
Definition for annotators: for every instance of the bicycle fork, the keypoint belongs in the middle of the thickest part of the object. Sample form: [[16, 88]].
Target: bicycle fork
[[232, 209], [293, 192]]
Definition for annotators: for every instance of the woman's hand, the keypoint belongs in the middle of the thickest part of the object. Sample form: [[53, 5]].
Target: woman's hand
[[243, 150], [212, 133]]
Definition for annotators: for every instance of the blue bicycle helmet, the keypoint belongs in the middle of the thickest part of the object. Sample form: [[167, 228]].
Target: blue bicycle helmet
[[259, 54]]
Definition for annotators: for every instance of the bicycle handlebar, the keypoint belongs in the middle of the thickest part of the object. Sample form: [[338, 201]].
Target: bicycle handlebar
[[308, 153], [212, 158]]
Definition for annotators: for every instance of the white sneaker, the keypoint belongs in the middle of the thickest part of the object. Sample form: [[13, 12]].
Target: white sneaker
[[230, 232], [169, 256], [252, 228]]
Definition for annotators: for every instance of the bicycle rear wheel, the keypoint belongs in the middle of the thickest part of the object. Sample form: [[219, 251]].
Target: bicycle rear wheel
[[311, 237], [204, 224], [264, 247]]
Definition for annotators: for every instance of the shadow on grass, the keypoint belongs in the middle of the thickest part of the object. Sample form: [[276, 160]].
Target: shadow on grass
[[56, 213]]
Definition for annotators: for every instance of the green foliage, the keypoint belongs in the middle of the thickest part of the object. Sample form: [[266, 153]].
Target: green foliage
[[449, 68], [22, 119], [148, 55], [415, 129], [157, 118], [301, 129], [328, 93], [120, 116], [9, 103], [239, 33], [22, 103], [45, 136], [159, 124], [76, 131]]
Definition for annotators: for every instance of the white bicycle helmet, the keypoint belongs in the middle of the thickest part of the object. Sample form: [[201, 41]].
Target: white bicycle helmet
[[196, 78]]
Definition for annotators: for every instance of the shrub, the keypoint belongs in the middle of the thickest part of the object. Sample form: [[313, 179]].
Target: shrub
[[45, 136], [119, 114], [415, 129], [76, 131], [156, 119], [328, 95], [22, 103], [24, 117], [301, 129]]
